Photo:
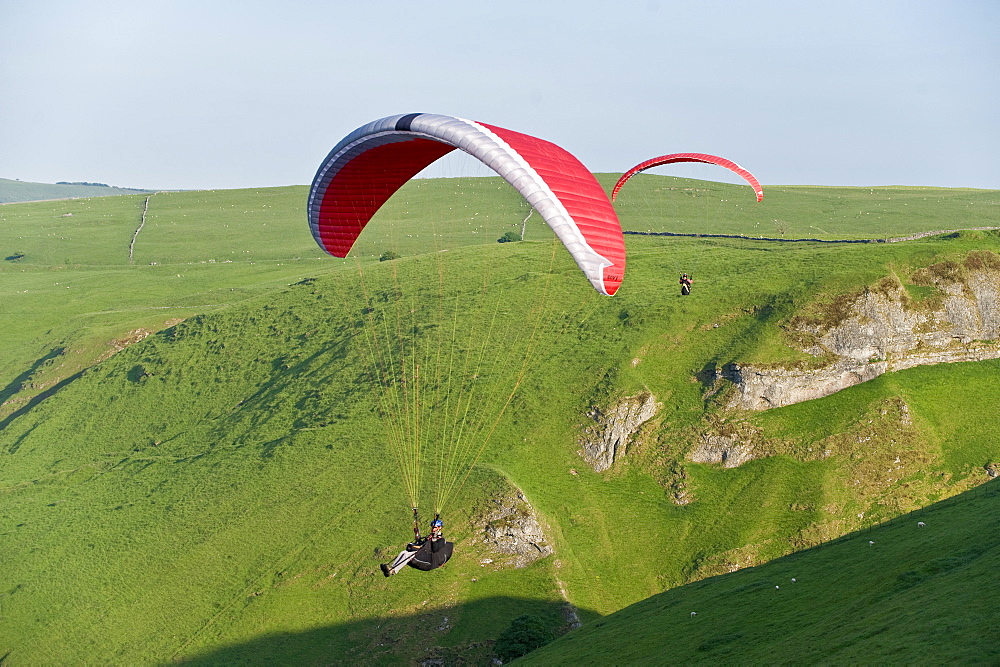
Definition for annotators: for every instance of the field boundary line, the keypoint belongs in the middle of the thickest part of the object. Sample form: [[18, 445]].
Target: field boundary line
[[896, 239], [142, 223]]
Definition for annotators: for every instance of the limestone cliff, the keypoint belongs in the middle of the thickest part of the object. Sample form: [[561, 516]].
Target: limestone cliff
[[613, 428], [884, 330]]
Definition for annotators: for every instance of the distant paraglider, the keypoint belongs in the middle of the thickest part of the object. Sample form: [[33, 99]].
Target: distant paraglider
[[686, 282], [690, 157]]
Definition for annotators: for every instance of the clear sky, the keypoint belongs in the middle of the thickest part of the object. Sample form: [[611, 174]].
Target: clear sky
[[225, 94]]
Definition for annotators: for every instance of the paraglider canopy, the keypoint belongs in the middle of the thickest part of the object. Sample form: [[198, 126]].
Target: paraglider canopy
[[374, 161], [446, 340], [690, 157]]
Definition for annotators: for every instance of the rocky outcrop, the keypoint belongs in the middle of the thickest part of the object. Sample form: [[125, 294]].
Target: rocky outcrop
[[883, 331], [760, 389], [729, 450], [514, 532], [609, 436]]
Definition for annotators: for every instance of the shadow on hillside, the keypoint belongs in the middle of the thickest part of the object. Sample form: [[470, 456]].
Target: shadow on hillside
[[722, 364], [35, 400], [17, 383], [425, 637], [300, 379], [410, 639]]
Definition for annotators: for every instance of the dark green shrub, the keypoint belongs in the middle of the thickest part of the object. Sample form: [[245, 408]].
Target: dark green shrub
[[508, 237], [388, 255], [525, 634]]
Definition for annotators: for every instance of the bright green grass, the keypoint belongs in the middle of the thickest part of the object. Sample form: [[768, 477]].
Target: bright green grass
[[197, 246], [239, 472], [897, 594], [74, 291], [222, 490], [234, 451], [667, 204]]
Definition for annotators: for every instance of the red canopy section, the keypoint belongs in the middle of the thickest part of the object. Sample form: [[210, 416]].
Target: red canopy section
[[374, 161], [690, 157]]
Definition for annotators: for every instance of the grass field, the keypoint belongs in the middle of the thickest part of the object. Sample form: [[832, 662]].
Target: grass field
[[663, 203], [21, 191], [220, 491], [898, 593]]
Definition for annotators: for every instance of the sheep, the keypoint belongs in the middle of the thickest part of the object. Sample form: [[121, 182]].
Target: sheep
[[694, 613], [921, 524]]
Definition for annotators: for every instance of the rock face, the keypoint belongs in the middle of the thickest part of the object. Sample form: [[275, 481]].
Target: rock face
[[730, 451], [513, 530], [608, 438], [760, 389], [881, 332]]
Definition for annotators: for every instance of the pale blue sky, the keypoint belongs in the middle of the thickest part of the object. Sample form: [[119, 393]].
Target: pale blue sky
[[203, 94]]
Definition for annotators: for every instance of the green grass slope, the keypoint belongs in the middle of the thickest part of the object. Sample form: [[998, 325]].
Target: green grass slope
[[221, 489], [70, 293], [22, 191], [898, 593]]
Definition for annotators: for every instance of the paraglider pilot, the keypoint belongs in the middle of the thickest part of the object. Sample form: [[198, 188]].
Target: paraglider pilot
[[685, 283], [423, 553]]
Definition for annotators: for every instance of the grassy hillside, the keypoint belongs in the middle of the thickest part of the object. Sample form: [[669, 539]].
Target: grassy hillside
[[221, 489], [71, 295], [900, 592], [663, 203], [21, 191]]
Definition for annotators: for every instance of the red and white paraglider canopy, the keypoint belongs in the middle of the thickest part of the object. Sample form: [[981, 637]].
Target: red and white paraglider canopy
[[690, 157], [371, 163]]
